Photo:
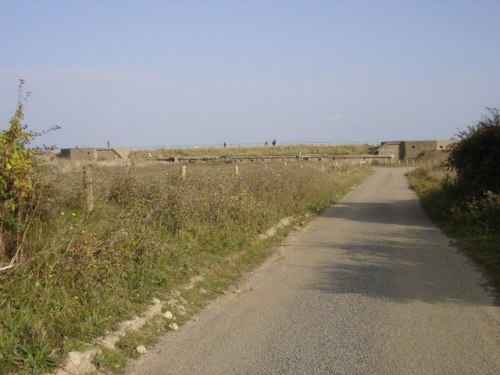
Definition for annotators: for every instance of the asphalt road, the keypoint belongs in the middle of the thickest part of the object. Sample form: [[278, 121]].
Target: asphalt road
[[369, 287]]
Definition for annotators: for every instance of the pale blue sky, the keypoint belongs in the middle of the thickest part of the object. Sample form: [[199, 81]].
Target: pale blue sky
[[164, 73]]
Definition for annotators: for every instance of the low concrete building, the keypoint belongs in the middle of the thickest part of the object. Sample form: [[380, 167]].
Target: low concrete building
[[92, 153], [411, 149], [445, 145], [393, 148]]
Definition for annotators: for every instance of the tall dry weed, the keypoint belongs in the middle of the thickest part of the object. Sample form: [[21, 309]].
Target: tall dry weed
[[150, 230]]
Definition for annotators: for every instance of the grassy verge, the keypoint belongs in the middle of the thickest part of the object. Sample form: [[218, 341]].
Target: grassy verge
[[217, 279], [150, 232], [472, 221]]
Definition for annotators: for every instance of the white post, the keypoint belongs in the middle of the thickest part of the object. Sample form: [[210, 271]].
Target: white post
[[88, 186]]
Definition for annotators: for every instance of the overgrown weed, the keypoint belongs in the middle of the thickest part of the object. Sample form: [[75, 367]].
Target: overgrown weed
[[150, 231]]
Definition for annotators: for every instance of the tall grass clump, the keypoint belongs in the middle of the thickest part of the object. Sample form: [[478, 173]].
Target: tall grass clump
[[150, 231]]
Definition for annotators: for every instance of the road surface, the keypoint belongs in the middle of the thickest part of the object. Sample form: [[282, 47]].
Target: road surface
[[369, 287]]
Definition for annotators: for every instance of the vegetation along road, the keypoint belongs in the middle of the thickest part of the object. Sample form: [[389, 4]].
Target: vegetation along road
[[369, 287]]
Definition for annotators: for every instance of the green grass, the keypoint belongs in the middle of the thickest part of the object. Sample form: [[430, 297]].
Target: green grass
[[111, 360], [217, 278], [472, 221], [149, 233]]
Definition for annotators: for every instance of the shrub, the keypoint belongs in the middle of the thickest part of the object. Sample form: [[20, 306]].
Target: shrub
[[15, 184], [476, 157]]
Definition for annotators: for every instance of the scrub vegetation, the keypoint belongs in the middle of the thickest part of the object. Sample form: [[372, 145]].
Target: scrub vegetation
[[463, 197], [150, 230]]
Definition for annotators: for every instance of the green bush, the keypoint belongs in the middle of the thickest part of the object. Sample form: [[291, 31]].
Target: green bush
[[476, 157], [15, 186], [20, 192]]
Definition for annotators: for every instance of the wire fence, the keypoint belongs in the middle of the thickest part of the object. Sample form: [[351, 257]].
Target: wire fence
[[90, 184]]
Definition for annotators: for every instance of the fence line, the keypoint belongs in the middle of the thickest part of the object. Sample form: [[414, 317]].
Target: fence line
[[90, 173]]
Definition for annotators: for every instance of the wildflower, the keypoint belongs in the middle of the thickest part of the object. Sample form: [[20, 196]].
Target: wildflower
[[73, 214], [62, 213]]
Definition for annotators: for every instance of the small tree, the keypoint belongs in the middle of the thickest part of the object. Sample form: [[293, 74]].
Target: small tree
[[15, 182], [476, 156]]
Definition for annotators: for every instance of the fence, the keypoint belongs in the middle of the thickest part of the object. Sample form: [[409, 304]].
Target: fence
[[91, 183]]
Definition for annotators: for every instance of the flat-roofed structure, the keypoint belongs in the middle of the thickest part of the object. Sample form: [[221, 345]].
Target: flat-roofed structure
[[93, 153], [411, 149]]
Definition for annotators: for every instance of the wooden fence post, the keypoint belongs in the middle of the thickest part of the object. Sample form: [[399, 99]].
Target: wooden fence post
[[237, 170], [184, 172], [88, 187]]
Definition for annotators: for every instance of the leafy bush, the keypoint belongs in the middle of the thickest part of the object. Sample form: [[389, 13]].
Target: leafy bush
[[20, 191], [480, 214], [15, 185], [476, 157]]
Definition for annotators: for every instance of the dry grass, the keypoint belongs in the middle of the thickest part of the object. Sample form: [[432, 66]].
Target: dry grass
[[150, 231]]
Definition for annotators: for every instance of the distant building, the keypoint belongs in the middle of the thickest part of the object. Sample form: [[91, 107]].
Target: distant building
[[90, 153], [410, 149], [393, 148]]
